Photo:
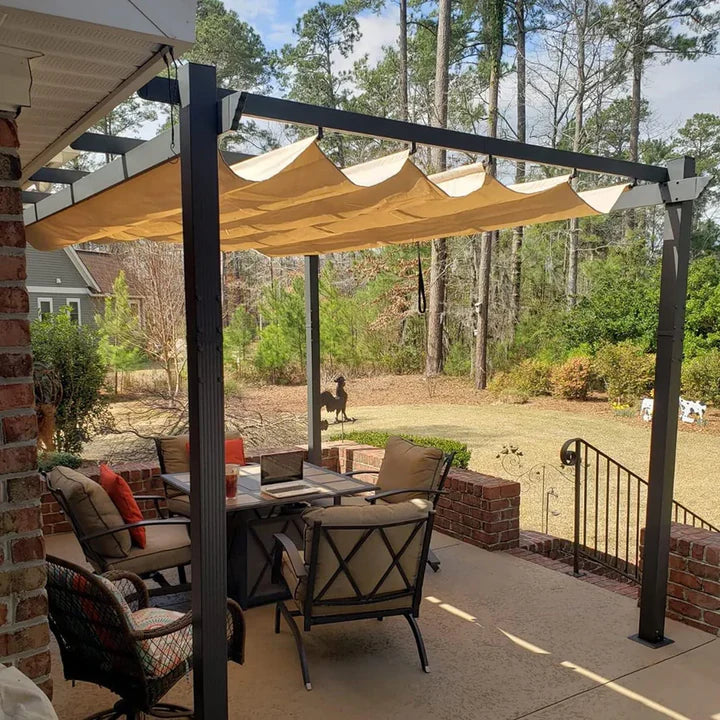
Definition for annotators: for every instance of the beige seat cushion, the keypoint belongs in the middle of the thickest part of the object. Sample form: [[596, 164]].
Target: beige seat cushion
[[406, 465], [179, 505], [167, 546], [370, 563], [92, 510]]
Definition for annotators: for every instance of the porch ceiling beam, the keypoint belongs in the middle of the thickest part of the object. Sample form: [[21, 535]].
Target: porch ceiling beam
[[33, 196], [60, 176], [109, 144]]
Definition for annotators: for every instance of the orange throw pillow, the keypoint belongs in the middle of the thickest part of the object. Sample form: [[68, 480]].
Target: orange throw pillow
[[234, 451], [121, 494]]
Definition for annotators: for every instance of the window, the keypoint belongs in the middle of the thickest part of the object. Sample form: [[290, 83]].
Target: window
[[45, 307], [136, 310], [74, 305]]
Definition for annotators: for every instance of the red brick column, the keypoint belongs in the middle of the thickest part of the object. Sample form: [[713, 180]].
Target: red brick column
[[694, 580], [23, 604]]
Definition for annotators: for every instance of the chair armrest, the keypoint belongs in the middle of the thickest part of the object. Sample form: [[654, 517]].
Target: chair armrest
[[169, 629], [236, 638], [352, 473], [142, 523], [390, 493], [121, 579], [284, 544], [156, 500]]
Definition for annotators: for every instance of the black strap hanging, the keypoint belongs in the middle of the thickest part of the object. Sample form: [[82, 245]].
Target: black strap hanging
[[422, 303]]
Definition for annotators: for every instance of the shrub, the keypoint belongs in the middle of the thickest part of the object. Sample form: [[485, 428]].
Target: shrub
[[73, 352], [379, 439], [273, 354], [531, 377], [627, 371], [48, 460], [573, 380], [701, 378]]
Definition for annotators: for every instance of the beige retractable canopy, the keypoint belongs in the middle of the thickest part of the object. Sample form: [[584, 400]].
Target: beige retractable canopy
[[295, 201]]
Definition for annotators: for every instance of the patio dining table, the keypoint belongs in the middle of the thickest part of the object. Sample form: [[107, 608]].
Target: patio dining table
[[253, 518]]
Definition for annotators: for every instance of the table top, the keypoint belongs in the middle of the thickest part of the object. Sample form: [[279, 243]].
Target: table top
[[250, 496]]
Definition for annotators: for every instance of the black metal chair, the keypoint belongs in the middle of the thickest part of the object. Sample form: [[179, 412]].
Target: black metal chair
[[168, 541], [357, 562], [108, 635], [429, 478]]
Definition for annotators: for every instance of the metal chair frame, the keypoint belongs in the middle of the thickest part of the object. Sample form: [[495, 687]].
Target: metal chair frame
[[314, 597]]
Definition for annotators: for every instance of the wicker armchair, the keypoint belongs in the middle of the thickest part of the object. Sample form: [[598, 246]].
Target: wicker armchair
[[109, 636]]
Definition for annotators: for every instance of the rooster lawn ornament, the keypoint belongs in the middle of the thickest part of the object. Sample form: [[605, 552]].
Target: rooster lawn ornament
[[336, 402]]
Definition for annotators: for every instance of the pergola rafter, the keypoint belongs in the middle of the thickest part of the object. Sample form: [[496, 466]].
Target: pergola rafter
[[206, 113]]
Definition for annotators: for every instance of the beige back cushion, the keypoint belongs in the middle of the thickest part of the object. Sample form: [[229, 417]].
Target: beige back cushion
[[406, 465], [92, 509], [174, 453], [368, 565]]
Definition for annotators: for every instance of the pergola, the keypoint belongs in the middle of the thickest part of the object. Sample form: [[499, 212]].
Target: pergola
[[280, 205]]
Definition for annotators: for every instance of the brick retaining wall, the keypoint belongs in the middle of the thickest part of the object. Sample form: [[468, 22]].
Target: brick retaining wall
[[479, 509]]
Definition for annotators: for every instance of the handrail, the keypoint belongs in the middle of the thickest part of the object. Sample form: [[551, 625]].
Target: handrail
[[609, 506]]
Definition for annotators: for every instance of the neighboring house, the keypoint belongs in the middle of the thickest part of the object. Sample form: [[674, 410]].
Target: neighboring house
[[80, 279]]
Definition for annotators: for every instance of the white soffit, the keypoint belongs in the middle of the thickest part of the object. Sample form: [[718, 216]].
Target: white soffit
[[86, 67]]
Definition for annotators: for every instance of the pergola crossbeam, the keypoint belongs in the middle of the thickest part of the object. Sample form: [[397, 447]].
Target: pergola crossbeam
[[108, 144], [58, 176]]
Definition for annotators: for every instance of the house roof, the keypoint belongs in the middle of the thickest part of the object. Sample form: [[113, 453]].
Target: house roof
[[105, 267]]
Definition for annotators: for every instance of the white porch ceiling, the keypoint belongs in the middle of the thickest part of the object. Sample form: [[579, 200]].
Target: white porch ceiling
[[86, 68]]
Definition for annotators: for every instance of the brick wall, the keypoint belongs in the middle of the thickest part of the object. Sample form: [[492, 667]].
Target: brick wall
[[694, 578], [24, 632], [479, 509]]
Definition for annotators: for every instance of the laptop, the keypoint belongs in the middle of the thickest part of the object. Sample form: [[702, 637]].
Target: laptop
[[281, 476]]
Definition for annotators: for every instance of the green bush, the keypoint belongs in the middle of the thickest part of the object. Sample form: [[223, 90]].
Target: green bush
[[529, 378], [627, 371], [48, 460], [379, 439], [701, 378], [573, 380], [73, 352]]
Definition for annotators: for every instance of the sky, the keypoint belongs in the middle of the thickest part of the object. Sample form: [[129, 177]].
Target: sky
[[676, 91]]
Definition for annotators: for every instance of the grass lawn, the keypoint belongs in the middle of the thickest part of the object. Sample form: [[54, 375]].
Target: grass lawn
[[539, 432]]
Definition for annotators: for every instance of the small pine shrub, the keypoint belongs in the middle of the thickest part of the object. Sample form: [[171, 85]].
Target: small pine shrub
[[573, 380], [49, 460], [701, 378], [627, 371], [457, 362], [379, 439]]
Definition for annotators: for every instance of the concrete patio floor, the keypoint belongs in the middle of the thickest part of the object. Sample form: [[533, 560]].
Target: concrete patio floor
[[506, 639]]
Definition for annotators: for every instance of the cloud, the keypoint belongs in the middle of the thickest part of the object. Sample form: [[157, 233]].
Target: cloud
[[250, 10], [378, 31]]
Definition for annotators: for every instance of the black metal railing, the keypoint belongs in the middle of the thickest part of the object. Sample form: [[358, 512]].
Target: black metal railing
[[610, 503]]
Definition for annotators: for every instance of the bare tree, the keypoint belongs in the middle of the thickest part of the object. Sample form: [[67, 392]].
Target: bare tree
[[158, 269]]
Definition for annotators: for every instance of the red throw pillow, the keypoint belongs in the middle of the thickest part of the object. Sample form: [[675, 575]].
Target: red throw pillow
[[234, 451], [121, 494]]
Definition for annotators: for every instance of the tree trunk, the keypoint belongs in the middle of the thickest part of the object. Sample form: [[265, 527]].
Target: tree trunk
[[518, 232], [493, 22], [404, 103], [638, 52], [581, 22], [438, 261]]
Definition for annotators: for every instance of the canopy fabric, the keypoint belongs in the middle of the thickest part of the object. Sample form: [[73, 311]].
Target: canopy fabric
[[296, 201]]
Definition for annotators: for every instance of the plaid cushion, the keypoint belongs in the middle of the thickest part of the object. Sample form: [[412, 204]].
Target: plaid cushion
[[162, 655]]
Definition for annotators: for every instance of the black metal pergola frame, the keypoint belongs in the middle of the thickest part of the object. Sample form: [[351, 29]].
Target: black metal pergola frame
[[206, 112]]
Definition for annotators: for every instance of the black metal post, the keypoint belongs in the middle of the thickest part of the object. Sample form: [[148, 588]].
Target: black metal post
[[673, 289], [201, 243], [312, 355]]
